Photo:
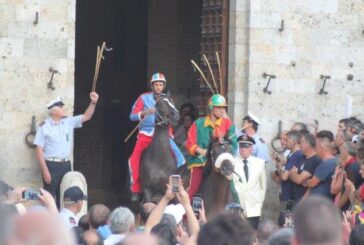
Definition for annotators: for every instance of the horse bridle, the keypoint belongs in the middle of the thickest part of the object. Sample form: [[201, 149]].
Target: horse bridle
[[164, 120], [213, 160], [210, 151]]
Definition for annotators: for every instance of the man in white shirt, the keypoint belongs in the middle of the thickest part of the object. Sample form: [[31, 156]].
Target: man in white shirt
[[250, 192], [73, 199]]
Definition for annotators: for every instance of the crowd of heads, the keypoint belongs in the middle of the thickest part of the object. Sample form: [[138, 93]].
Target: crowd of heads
[[317, 219]]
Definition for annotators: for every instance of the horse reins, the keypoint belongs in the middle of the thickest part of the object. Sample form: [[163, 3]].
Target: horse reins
[[164, 120]]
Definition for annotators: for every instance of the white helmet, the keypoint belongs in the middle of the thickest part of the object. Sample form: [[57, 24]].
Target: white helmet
[[158, 77]]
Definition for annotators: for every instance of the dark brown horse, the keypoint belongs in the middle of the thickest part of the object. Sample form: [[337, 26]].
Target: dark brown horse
[[158, 162], [215, 188]]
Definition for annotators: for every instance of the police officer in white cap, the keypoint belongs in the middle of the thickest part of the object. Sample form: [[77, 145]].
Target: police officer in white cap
[[54, 140], [250, 125]]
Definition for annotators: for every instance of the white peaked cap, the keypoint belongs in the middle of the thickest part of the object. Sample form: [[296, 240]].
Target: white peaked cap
[[55, 101], [254, 117]]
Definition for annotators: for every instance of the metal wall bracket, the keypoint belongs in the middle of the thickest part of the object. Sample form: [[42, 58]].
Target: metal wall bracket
[[50, 84], [270, 76], [36, 20], [30, 136], [282, 26], [324, 78]]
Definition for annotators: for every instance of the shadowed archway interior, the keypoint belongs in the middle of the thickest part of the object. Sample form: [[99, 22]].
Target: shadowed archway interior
[[144, 38]]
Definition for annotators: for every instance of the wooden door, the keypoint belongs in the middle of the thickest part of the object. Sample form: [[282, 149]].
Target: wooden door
[[214, 38]]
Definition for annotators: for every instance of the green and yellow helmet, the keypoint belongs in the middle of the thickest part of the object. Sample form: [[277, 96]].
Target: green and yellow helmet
[[217, 100]]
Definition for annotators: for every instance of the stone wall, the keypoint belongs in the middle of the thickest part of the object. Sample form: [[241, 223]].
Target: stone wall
[[319, 37], [27, 51]]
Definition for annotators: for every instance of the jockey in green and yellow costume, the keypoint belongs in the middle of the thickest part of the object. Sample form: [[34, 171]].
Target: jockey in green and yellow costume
[[215, 124]]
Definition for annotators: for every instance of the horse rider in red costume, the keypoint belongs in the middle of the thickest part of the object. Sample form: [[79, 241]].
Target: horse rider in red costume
[[144, 109]]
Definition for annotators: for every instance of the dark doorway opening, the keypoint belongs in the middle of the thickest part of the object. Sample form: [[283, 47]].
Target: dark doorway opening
[[100, 153], [144, 40]]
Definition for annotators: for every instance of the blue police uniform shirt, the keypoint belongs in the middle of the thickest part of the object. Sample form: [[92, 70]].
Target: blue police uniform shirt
[[260, 149], [56, 138]]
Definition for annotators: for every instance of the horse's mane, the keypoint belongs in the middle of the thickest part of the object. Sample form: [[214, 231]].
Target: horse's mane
[[214, 140]]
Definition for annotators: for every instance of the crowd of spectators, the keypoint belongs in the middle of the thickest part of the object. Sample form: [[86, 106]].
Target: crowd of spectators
[[320, 172]]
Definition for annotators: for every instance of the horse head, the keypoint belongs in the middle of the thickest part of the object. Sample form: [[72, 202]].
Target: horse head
[[221, 155], [165, 111]]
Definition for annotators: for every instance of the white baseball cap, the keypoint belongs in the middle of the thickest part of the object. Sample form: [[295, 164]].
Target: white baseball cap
[[176, 210]]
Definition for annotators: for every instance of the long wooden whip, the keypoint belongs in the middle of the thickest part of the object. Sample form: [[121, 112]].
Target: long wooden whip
[[231, 136], [212, 74], [97, 60], [203, 76], [133, 131], [99, 57], [220, 73], [97, 67]]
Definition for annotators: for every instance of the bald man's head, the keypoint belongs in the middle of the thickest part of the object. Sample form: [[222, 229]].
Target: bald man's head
[[91, 237]]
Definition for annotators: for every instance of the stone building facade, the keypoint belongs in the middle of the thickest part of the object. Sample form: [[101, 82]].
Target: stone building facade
[[28, 48], [317, 37]]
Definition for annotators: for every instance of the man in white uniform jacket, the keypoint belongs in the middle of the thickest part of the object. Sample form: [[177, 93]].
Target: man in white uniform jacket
[[249, 192]]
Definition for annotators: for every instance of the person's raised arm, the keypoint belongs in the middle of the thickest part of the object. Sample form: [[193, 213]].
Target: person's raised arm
[[87, 115], [47, 200], [157, 213], [192, 221], [351, 191], [202, 214], [14, 196], [337, 180], [343, 199]]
